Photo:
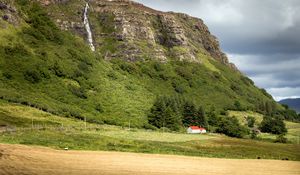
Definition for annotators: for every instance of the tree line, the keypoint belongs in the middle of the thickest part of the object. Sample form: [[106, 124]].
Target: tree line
[[176, 113]]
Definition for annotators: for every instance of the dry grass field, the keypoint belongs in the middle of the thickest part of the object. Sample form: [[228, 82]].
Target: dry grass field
[[20, 159]]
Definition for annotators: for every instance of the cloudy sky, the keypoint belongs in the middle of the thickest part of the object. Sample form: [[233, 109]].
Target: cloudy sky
[[262, 37]]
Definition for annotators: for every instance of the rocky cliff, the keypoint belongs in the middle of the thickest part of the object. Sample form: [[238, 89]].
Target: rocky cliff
[[129, 30], [46, 61]]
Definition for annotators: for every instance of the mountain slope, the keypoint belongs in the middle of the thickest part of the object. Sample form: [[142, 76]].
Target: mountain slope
[[129, 30], [292, 103], [45, 62]]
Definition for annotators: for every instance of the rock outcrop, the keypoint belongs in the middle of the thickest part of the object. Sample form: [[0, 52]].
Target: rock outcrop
[[9, 13], [129, 30]]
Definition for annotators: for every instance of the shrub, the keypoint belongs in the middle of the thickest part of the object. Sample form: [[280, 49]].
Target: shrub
[[17, 50], [253, 135], [7, 75], [247, 80], [272, 125], [179, 86], [33, 76], [250, 121], [78, 91], [266, 93], [281, 139], [158, 66], [112, 75], [128, 67], [41, 26], [238, 106], [184, 73], [230, 126], [149, 126], [58, 70], [99, 108]]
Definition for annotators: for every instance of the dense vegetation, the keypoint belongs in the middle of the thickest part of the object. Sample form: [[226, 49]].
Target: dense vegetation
[[174, 113], [55, 71], [274, 125]]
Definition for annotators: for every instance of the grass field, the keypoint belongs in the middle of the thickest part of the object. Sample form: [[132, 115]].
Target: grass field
[[30, 126]]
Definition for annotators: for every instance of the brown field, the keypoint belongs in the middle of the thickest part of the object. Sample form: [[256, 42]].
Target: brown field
[[19, 159]]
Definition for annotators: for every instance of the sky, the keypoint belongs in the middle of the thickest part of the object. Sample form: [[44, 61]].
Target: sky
[[261, 37]]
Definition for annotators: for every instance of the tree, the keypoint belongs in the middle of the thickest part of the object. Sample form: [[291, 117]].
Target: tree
[[201, 118], [274, 125], [230, 126], [281, 139], [250, 121], [171, 119], [269, 108], [188, 114], [253, 134], [238, 105], [212, 118], [165, 113], [156, 117]]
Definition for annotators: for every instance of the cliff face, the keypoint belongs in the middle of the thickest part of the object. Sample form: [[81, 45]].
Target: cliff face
[[54, 70], [129, 30]]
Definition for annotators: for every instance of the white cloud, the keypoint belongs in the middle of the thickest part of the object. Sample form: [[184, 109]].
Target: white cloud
[[283, 93]]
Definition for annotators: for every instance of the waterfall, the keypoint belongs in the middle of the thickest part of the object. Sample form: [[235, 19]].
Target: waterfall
[[87, 27]]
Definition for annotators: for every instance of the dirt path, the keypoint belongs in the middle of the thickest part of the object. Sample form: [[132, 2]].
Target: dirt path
[[19, 159]]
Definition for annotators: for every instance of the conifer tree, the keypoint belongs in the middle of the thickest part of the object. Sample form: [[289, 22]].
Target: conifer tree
[[201, 118], [188, 114]]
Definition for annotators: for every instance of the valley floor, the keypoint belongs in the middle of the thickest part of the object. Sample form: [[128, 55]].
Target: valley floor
[[29, 126], [20, 159]]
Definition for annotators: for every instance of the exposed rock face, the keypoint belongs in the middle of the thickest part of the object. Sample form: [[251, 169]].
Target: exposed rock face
[[129, 30], [48, 2], [9, 13]]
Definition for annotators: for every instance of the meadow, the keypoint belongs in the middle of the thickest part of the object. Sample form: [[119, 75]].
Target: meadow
[[30, 126]]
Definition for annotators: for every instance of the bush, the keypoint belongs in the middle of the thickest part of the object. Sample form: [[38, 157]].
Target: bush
[[247, 80], [41, 25], [238, 106], [272, 125], [281, 139], [78, 91], [184, 73], [179, 86], [112, 75], [128, 67], [17, 50], [99, 108], [7, 75], [149, 126], [253, 135], [250, 121], [58, 70], [33, 76], [230, 126]]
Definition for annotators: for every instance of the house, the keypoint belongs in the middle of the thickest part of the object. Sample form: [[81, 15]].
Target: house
[[196, 130]]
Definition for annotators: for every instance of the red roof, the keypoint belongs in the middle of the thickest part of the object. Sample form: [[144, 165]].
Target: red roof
[[197, 128]]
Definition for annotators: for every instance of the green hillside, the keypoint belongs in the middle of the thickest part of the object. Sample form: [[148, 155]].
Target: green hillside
[[55, 71], [152, 74]]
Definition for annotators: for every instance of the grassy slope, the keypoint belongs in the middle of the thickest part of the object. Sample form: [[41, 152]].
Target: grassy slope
[[293, 134], [60, 132], [55, 71]]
